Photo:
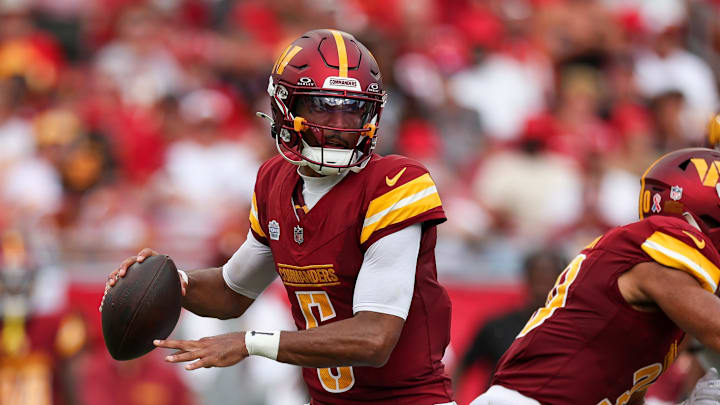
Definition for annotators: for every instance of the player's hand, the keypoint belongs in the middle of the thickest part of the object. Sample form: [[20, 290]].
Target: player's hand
[[122, 270], [706, 391], [215, 351]]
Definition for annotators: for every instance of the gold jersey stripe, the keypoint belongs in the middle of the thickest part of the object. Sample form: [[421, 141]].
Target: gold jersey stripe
[[312, 266], [287, 59], [674, 253], [394, 216], [254, 222], [389, 199], [342, 53], [328, 284]]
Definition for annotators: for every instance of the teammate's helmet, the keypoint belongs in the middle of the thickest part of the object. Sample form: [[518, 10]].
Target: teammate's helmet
[[684, 184], [330, 71], [713, 132]]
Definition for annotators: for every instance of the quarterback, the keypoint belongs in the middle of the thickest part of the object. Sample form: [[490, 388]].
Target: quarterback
[[350, 234], [613, 321]]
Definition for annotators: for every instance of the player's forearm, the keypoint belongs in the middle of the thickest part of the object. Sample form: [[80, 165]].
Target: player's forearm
[[208, 295], [364, 340]]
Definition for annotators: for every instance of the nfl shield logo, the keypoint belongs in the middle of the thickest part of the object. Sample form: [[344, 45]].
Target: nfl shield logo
[[274, 229], [675, 193], [298, 232]]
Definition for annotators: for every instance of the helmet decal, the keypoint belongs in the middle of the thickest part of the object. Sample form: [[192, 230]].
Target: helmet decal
[[708, 173], [340, 83], [306, 81]]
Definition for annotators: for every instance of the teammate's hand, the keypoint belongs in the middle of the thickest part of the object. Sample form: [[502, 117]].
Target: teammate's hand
[[706, 391], [215, 351]]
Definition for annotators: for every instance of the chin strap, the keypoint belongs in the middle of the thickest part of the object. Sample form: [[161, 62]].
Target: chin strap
[[691, 220]]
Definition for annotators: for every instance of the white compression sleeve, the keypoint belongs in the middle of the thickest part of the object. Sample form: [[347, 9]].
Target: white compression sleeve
[[251, 269], [386, 279]]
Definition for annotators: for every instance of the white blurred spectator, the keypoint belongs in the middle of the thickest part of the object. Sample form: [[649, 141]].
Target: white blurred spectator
[[16, 140], [206, 176], [668, 67], [140, 67], [536, 192], [504, 91], [657, 15], [33, 186], [617, 196]]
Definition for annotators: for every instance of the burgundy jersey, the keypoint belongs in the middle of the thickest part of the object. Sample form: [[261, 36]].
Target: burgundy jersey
[[588, 346], [318, 254]]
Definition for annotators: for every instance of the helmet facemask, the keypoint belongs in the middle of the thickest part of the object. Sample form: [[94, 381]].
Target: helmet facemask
[[329, 131]]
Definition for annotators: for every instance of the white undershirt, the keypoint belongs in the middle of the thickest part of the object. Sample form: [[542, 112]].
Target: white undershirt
[[386, 279]]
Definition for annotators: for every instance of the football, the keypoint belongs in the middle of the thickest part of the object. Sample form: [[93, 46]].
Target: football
[[142, 306]]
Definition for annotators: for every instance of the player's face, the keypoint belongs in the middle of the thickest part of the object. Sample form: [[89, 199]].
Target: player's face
[[333, 112]]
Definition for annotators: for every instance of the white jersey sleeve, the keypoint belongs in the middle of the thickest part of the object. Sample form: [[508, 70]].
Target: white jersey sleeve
[[386, 279], [250, 269]]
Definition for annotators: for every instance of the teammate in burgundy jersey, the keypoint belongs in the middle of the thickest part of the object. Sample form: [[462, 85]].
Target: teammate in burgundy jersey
[[613, 321], [350, 234]]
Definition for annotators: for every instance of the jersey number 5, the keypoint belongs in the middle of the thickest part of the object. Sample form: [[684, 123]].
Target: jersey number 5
[[557, 297], [336, 379]]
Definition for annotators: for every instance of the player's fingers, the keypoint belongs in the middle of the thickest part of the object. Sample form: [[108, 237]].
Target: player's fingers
[[184, 356], [176, 344], [112, 277], [124, 266], [203, 362], [145, 253]]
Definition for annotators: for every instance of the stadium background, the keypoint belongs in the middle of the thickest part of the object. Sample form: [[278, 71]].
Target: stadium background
[[127, 123]]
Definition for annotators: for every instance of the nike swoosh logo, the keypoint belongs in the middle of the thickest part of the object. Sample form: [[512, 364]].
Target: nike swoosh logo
[[391, 182], [699, 242]]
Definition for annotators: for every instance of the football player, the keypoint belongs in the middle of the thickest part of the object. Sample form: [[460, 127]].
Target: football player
[[612, 323], [350, 234]]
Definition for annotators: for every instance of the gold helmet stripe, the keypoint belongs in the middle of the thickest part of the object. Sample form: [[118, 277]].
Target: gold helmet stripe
[[342, 53], [287, 59], [282, 56]]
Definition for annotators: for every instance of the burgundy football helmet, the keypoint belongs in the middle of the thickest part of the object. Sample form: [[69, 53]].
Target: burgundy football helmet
[[684, 184], [713, 132], [328, 71]]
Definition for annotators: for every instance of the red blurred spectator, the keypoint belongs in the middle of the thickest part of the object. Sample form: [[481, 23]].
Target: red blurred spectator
[[143, 381], [27, 52]]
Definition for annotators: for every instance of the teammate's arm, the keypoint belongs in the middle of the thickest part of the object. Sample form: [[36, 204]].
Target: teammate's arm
[[693, 308], [679, 295], [383, 293]]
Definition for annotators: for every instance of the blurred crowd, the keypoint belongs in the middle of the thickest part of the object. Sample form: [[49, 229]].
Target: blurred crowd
[[130, 123]]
